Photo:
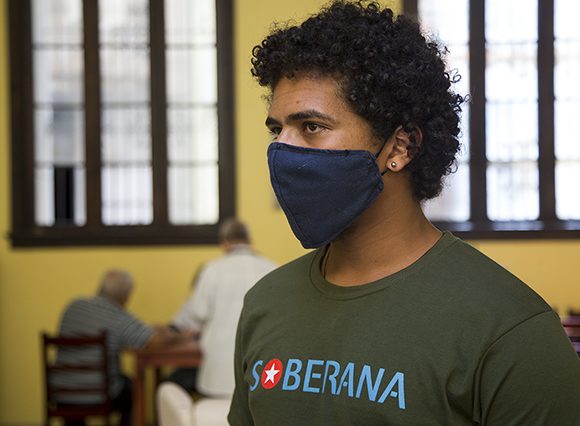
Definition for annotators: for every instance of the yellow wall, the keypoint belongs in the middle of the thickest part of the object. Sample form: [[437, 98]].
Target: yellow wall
[[36, 283]]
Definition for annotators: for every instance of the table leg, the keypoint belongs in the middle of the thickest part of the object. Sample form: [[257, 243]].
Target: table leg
[[158, 377], [139, 395]]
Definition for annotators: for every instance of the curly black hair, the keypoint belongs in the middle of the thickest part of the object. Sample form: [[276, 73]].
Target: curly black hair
[[389, 74]]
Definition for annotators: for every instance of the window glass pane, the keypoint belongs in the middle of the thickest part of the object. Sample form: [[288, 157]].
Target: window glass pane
[[566, 72], [190, 21], [58, 75], [125, 75], [126, 135], [566, 19], [567, 108], [127, 195], [59, 136], [80, 186], [567, 200], [124, 21], [447, 19], [193, 134], [192, 75], [567, 136], [567, 68], [193, 194], [512, 191], [44, 196], [511, 72], [451, 205], [511, 21], [512, 131], [57, 21]]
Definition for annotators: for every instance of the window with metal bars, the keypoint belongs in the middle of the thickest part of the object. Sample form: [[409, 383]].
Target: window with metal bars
[[122, 121], [520, 161]]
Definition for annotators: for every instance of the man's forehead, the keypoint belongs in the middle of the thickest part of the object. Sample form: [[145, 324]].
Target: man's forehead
[[305, 79], [306, 93]]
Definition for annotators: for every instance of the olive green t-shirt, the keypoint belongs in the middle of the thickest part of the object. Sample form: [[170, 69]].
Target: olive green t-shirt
[[453, 339]]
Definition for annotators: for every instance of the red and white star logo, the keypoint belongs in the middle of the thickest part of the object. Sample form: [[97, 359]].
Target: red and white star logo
[[272, 373]]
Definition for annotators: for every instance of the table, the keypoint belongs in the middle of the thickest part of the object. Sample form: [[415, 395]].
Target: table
[[186, 354]]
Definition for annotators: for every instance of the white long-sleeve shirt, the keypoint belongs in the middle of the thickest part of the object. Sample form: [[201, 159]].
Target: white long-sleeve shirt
[[214, 308]]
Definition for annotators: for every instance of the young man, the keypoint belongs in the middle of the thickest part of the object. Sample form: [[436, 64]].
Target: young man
[[390, 321]]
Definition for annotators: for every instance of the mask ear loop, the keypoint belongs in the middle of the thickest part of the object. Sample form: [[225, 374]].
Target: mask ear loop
[[377, 156]]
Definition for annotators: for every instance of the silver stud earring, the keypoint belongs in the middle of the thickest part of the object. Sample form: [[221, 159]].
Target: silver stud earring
[[394, 165]]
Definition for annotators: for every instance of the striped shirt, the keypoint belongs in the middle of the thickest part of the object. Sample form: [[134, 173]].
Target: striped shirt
[[90, 317]]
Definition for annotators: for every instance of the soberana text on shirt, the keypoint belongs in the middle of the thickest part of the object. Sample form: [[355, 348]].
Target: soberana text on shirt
[[330, 377]]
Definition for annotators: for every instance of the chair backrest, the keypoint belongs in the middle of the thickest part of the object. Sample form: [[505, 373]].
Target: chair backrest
[[68, 377]]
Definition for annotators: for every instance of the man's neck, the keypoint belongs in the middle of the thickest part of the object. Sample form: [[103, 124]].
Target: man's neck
[[230, 247], [391, 235], [113, 301]]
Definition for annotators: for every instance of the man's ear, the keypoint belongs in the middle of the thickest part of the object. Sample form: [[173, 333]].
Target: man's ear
[[226, 245], [403, 146]]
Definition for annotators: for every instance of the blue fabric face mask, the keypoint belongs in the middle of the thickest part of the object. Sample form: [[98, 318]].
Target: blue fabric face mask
[[322, 191]]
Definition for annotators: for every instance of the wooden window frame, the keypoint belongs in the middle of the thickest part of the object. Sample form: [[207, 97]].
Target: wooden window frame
[[25, 232], [480, 226]]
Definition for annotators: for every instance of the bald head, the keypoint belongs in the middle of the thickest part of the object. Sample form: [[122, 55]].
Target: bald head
[[116, 286]]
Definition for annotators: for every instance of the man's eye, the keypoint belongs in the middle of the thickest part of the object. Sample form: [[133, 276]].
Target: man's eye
[[274, 132], [312, 127]]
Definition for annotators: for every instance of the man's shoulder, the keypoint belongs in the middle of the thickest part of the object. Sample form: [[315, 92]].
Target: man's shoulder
[[479, 283], [260, 260], [463, 260], [82, 303], [243, 257], [90, 307]]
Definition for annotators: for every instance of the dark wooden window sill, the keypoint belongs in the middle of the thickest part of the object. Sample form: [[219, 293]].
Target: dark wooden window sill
[[114, 236], [489, 230]]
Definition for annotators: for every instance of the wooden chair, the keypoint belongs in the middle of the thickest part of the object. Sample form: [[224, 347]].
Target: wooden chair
[[572, 329], [56, 392]]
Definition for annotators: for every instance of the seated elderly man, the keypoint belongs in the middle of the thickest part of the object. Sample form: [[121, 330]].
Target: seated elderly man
[[106, 312]]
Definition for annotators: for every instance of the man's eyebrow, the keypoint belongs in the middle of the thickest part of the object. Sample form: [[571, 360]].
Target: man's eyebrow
[[309, 114], [302, 115], [271, 122]]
